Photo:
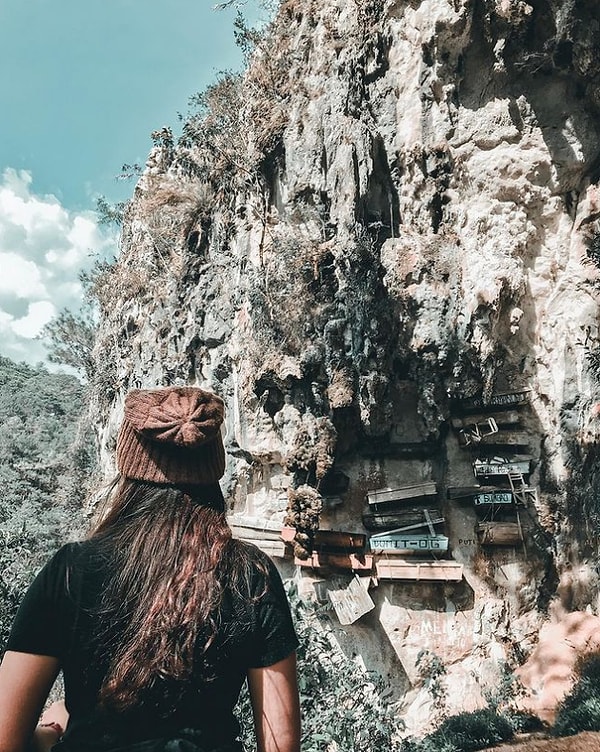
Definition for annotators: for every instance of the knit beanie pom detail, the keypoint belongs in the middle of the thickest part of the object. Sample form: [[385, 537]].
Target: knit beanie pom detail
[[172, 435]]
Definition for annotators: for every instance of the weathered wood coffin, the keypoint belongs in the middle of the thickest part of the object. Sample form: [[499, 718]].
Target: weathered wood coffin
[[348, 562], [502, 400], [254, 528], [504, 418], [499, 533], [390, 496], [274, 548], [405, 542], [333, 541], [488, 467], [374, 519], [506, 439], [432, 571]]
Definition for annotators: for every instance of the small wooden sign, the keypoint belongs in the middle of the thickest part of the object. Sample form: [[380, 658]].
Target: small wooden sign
[[402, 494], [493, 498], [352, 602], [406, 542]]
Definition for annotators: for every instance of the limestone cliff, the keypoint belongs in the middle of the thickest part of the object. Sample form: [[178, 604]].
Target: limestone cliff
[[397, 206]]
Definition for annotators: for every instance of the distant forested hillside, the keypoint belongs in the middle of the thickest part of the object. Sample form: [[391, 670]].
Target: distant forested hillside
[[46, 460]]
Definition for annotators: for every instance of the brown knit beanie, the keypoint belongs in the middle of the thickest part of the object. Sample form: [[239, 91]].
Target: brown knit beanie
[[172, 436]]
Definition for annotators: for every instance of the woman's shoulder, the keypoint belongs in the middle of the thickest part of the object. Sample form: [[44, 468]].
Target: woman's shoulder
[[73, 559]]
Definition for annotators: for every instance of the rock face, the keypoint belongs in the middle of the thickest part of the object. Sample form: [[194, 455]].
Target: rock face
[[396, 207]]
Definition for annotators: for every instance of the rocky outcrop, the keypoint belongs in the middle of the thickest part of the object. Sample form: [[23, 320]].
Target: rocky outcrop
[[397, 206]]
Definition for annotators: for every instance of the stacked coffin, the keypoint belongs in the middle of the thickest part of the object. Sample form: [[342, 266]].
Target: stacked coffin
[[490, 429], [407, 535]]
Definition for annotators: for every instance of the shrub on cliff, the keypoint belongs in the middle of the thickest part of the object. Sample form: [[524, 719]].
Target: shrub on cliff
[[465, 732], [580, 710]]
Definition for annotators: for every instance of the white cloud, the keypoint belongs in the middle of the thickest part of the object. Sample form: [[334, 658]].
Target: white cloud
[[20, 277], [38, 315], [43, 247]]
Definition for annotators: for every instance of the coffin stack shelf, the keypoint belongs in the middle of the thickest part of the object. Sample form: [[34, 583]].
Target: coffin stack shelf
[[491, 430]]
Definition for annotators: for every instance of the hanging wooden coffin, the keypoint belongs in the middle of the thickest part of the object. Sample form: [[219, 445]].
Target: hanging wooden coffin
[[401, 569], [405, 542], [375, 519], [274, 548], [502, 418], [402, 494], [512, 440], [488, 467], [333, 541], [503, 400], [499, 533], [254, 528]]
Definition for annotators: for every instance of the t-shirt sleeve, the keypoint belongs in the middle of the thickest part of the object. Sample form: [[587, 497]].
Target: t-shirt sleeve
[[274, 635], [39, 626]]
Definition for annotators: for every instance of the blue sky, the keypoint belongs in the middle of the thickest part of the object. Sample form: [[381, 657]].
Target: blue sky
[[82, 86]]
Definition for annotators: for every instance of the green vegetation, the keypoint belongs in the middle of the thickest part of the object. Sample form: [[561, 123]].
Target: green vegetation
[[46, 460], [464, 732], [580, 710], [343, 707]]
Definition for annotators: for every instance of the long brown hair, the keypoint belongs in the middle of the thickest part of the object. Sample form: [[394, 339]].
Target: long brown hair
[[170, 558]]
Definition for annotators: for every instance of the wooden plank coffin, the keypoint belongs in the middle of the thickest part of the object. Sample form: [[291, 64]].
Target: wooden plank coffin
[[417, 571], [509, 439], [405, 542], [499, 533], [247, 533], [488, 467], [402, 494], [499, 401], [348, 562], [254, 528], [504, 418], [333, 541], [352, 602], [274, 548], [374, 519]]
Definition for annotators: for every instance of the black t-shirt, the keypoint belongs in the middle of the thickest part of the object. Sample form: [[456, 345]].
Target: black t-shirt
[[58, 617]]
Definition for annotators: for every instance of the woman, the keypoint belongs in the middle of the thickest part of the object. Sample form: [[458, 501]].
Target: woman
[[159, 616]]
